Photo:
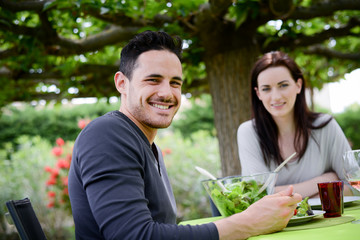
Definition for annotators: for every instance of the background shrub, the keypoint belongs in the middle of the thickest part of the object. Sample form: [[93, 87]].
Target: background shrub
[[349, 120], [198, 117], [24, 176], [49, 122], [181, 156]]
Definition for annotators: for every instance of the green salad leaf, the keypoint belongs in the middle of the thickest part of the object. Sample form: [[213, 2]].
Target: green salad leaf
[[240, 196], [304, 208]]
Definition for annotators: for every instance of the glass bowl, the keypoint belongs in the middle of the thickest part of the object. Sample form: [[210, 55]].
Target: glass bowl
[[240, 191]]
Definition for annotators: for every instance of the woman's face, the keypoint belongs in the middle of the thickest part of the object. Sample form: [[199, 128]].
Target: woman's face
[[278, 90]]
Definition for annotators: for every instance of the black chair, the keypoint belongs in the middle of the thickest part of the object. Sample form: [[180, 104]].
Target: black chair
[[25, 220]]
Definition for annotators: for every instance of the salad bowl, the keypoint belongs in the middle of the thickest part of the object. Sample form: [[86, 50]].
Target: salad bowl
[[240, 191]]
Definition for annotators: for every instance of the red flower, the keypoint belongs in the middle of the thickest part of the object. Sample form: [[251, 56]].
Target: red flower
[[66, 191], [62, 163], [64, 181], [57, 151], [51, 204], [54, 172], [51, 181], [57, 182], [60, 142], [51, 194], [168, 151], [48, 169], [83, 122]]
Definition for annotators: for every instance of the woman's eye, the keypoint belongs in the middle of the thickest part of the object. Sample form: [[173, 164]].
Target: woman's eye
[[265, 89], [284, 85]]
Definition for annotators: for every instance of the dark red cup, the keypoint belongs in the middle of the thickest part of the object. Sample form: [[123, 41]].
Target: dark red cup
[[332, 198]]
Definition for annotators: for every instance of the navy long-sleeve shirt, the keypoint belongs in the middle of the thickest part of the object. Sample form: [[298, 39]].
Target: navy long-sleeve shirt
[[119, 188]]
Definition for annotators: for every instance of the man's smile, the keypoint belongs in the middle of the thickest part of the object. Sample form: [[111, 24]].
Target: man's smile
[[163, 107]]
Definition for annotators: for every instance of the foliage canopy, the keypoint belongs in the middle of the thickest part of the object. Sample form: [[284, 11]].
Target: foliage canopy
[[56, 49]]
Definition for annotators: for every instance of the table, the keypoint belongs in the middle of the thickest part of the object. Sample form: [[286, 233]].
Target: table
[[343, 231]]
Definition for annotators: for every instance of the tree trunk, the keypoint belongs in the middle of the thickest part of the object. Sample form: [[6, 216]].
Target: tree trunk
[[228, 73]]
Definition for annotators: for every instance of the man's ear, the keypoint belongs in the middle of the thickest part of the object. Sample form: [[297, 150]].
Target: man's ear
[[120, 82]]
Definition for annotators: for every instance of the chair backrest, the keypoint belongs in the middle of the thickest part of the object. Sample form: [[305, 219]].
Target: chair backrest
[[25, 220]]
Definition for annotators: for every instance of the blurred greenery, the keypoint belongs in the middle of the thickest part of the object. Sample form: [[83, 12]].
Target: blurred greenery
[[49, 122], [200, 116], [349, 121], [181, 156], [24, 176]]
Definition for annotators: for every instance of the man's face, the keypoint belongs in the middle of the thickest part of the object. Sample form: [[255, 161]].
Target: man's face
[[153, 95]]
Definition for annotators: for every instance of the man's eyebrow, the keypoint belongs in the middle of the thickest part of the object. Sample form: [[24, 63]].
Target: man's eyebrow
[[178, 78], [154, 75]]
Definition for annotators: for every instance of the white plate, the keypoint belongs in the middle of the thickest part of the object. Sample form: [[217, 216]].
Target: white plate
[[296, 220], [315, 203]]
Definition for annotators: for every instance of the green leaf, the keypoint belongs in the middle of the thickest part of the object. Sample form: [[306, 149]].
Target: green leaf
[[241, 17], [49, 5]]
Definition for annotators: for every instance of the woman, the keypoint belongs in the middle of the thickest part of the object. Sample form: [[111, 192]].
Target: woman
[[283, 124]]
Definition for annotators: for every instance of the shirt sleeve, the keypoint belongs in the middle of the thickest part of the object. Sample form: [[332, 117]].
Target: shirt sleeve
[[250, 153]]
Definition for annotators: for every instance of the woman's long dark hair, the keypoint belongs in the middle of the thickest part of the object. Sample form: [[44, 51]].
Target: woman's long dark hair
[[265, 125]]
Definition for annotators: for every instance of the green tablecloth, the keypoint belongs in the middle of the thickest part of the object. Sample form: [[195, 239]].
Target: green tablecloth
[[341, 228]]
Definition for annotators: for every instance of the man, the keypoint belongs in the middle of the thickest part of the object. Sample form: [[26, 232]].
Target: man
[[118, 183]]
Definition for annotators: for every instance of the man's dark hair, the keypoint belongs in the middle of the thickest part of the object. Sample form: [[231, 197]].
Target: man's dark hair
[[144, 42]]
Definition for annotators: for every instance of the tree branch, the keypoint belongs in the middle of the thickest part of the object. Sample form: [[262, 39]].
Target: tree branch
[[121, 19], [48, 33], [330, 53], [82, 69], [219, 8], [5, 72], [9, 53], [99, 71], [281, 8], [325, 8], [60, 46], [113, 35], [16, 29], [118, 19], [17, 6], [305, 40]]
